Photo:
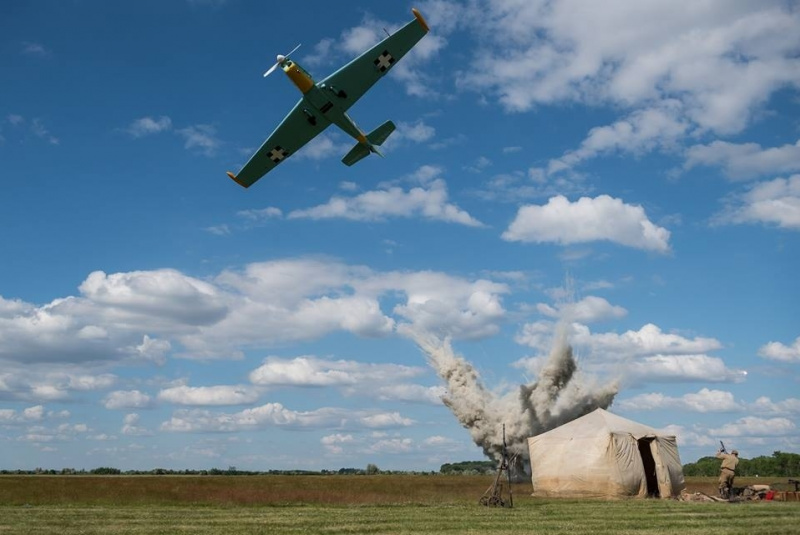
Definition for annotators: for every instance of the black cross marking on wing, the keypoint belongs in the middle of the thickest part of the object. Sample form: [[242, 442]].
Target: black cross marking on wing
[[384, 61], [278, 154]]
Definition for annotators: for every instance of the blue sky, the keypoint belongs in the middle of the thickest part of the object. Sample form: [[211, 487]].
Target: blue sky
[[626, 169]]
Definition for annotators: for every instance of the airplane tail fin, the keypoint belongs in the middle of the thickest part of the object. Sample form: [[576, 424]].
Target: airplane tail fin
[[374, 140]]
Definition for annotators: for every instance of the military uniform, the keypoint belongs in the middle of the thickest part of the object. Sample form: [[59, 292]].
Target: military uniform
[[727, 471]]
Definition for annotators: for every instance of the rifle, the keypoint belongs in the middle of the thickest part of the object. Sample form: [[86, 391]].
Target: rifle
[[722, 447]]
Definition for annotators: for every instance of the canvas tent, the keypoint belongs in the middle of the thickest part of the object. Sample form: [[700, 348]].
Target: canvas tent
[[604, 455]]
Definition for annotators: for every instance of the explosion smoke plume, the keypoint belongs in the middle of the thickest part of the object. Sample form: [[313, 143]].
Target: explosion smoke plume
[[559, 395]]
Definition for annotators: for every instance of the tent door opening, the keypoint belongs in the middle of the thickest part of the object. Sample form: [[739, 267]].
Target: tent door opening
[[649, 464]]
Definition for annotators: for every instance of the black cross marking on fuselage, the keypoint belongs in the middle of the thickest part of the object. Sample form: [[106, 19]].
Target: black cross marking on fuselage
[[278, 154], [384, 61]]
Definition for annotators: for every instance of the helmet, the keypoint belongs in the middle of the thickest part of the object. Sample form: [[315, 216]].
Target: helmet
[[735, 452]]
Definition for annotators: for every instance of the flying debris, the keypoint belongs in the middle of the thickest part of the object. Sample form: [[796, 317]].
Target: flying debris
[[326, 102]]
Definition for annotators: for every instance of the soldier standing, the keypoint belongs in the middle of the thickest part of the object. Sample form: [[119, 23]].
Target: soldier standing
[[727, 471]]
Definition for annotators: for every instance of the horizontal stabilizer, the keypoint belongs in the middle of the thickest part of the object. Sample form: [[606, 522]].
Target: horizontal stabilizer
[[379, 135], [356, 153], [374, 140]]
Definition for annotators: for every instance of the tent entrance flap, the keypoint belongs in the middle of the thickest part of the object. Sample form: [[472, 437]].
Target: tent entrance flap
[[649, 464]]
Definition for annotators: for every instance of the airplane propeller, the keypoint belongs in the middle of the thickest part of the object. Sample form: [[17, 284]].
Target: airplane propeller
[[281, 58]]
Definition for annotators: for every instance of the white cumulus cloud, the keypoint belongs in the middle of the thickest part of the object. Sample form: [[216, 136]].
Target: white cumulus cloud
[[443, 305], [324, 146], [683, 368], [648, 340], [127, 399], [131, 427], [334, 444], [416, 132], [165, 293], [44, 382], [428, 201], [742, 161], [587, 310], [146, 126], [705, 400], [275, 414], [722, 61], [781, 352], [385, 420], [642, 131], [774, 202], [27, 415], [411, 393], [765, 405], [209, 395], [638, 357], [201, 138], [391, 446], [261, 214], [754, 426], [147, 315], [586, 220], [313, 371]]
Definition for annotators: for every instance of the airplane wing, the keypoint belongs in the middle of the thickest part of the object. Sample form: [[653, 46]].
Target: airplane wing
[[359, 75], [295, 130]]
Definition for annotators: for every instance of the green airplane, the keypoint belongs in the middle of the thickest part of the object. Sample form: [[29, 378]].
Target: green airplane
[[327, 102]]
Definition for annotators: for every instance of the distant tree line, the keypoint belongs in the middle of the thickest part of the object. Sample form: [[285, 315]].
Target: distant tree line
[[780, 464], [469, 468], [371, 469]]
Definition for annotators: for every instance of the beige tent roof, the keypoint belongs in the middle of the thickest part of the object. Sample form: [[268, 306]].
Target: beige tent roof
[[600, 420], [602, 454]]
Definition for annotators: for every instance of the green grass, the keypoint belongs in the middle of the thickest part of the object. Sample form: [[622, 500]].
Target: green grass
[[351, 505], [243, 490]]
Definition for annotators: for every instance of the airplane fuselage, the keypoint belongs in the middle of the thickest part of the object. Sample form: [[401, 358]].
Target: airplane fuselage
[[322, 100]]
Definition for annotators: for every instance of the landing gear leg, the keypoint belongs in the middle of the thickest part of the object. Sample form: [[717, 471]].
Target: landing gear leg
[[312, 120], [336, 91]]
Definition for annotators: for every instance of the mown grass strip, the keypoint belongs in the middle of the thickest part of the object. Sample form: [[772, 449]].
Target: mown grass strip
[[624, 517]]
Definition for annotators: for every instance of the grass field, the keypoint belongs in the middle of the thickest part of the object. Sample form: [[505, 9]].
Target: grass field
[[352, 505]]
